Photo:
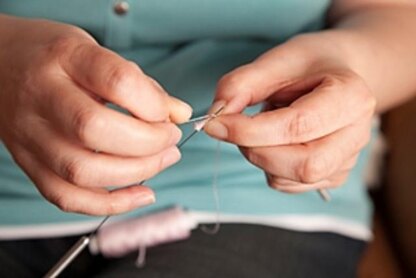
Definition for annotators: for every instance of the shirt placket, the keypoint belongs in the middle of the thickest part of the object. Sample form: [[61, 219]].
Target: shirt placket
[[118, 33]]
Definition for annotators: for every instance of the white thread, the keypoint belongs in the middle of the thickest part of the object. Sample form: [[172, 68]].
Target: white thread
[[215, 193], [171, 225], [141, 258]]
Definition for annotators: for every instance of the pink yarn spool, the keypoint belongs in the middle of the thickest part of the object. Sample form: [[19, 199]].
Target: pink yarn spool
[[121, 238]]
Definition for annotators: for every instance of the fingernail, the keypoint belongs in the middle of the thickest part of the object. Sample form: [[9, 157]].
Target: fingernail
[[170, 157], [145, 197], [175, 136], [216, 129], [216, 106], [180, 111]]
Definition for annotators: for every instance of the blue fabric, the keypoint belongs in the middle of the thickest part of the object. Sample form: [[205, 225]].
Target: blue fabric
[[187, 45]]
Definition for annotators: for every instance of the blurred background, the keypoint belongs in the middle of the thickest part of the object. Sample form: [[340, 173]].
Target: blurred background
[[393, 251]]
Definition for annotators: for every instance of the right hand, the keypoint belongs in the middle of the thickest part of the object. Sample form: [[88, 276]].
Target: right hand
[[54, 82]]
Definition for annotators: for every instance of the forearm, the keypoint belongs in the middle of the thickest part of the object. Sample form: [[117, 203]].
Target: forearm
[[380, 45]]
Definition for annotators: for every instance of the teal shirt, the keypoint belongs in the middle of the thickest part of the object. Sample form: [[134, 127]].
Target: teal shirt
[[187, 45]]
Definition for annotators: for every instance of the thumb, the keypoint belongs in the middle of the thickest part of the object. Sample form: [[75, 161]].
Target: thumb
[[255, 82], [179, 111]]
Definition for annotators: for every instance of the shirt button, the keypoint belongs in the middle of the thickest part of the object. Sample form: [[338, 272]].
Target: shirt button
[[121, 7]]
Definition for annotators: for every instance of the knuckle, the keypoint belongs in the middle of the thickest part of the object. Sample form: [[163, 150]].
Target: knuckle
[[114, 207], [85, 123], [72, 37], [272, 182], [60, 48], [236, 83], [313, 169], [252, 156], [121, 76], [300, 125], [62, 45], [64, 203], [226, 80], [74, 172]]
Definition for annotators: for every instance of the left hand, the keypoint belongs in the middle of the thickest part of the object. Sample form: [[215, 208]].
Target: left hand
[[317, 114]]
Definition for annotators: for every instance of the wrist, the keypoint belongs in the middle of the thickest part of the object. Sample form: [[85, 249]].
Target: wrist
[[352, 50]]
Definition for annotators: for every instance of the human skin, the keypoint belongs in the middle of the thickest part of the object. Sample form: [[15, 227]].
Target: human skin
[[52, 116], [320, 92], [53, 119]]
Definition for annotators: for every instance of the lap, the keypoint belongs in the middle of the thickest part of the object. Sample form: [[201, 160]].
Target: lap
[[236, 251]]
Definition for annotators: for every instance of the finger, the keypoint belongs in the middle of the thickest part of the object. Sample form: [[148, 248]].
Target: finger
[[310, 117], [312, 161], [289, 186], [117, 80], [180, 112], [255, 82], [83, 167], [100, 128], [72, 198]]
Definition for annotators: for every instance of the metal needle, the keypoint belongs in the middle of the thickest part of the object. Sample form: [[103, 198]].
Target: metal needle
[[83, 242], [324, 195], [196, 119], [69, 256]]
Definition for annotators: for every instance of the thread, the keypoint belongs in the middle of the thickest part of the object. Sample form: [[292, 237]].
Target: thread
[[118, 240], [174, 224], [215, 193], [141, 257]]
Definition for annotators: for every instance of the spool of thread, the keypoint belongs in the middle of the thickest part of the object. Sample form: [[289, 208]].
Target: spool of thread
[[123, 237]]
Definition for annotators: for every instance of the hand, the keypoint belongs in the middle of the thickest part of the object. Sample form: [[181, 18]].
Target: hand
[[55, 80], [316, 119]]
